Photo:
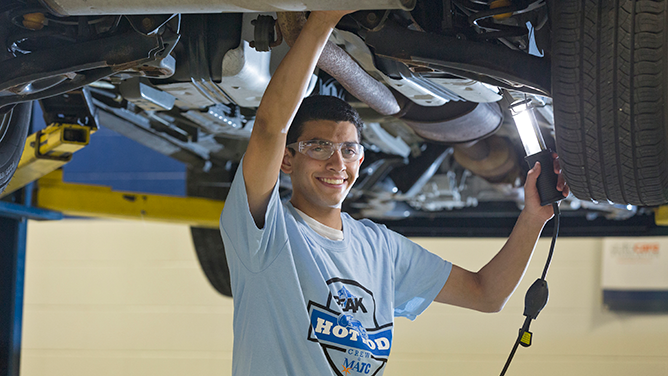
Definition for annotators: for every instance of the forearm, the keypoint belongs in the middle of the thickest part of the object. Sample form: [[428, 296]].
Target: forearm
[[279, 104], [500, 277], [489, 288]]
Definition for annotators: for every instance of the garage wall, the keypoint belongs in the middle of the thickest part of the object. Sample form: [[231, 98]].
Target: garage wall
[[128, 298], [110, 298]]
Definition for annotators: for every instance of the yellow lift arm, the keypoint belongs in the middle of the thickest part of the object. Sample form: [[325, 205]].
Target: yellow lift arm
[[102, 202], [47, 150]]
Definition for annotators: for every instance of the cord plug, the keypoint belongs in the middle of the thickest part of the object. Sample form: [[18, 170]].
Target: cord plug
[[535, 299]]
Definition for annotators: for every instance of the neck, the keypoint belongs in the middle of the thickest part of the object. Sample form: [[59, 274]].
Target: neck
[[330, 217]]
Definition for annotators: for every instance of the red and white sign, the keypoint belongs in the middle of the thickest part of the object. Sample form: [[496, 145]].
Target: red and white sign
[[635, 263]]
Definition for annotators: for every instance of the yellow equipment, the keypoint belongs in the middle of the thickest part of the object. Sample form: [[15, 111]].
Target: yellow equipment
[[100, 201], [46, 151]]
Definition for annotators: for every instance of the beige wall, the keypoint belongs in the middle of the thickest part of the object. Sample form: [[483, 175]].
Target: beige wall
[[128, 298]]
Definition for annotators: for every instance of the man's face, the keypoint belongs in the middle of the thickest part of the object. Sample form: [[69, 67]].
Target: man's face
[[318, 185]]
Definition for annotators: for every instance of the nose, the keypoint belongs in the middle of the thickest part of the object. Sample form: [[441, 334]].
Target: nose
[[336, 162]]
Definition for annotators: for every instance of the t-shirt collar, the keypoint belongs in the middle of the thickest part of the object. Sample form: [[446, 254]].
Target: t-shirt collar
[[319, 228]]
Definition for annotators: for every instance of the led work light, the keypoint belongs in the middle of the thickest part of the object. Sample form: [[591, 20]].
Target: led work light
[[534, 146]]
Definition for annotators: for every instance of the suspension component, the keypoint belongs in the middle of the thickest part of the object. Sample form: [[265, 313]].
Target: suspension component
[[34, 21]]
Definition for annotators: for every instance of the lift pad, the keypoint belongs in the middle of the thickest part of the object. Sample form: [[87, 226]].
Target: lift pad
[[102, 202], [47, 150]]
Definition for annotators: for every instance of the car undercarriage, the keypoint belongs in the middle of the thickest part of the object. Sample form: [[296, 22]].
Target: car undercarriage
[[432, 80]]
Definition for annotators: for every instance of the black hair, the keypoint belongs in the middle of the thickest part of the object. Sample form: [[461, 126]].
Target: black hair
[[323, 107]]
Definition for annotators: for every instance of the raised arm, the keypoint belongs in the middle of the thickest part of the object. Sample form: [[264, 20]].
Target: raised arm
[[279, 104], [489, 288]]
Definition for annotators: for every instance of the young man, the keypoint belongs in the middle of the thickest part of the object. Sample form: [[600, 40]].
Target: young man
[[316, 292]]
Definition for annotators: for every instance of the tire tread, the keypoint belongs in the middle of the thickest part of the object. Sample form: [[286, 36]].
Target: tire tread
[[609, 85]]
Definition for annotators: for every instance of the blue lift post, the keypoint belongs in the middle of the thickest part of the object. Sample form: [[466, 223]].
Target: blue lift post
[[13, 230], [15, 210]]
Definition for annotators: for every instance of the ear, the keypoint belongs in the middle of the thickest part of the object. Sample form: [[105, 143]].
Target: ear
[[361, 160], [286, 163]]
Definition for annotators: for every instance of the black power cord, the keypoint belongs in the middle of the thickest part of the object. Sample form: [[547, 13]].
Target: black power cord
[[536, 297]]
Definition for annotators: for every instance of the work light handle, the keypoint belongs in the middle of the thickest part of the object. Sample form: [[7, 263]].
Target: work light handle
[[547, 180]]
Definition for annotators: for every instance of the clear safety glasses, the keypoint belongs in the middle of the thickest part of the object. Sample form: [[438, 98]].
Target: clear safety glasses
[[323, 150]]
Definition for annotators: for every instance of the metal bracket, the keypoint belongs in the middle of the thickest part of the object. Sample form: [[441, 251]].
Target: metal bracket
[[38, 141]]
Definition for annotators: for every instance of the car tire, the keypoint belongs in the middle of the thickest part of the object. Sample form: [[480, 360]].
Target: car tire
[[609, 85], [14, 126], [211, 256], [208, 242]]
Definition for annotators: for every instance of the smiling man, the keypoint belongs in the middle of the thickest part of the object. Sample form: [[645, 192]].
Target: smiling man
[[315, 291], [323, 156]]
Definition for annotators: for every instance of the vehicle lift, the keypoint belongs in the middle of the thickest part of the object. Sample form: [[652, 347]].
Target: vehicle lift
[[45, 152], [37, 192]]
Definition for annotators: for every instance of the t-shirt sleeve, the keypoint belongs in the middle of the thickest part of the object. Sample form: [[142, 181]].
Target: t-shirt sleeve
[[419, 277], [255, 247]]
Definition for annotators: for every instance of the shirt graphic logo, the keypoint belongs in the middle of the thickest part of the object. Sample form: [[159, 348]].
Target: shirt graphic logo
[[347, 328], [349, 322], [349, 302]]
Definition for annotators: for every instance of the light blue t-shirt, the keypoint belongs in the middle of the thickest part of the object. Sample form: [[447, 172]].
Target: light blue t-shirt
[[307, 305]]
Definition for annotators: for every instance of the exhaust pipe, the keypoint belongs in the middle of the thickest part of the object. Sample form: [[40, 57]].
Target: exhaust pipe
[[127, 7], [338, 64]]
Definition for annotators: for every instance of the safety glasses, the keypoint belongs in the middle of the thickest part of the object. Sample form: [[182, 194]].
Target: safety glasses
[[322, 150]]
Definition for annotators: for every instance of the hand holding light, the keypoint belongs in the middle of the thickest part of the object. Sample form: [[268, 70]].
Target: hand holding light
[[534, 146]]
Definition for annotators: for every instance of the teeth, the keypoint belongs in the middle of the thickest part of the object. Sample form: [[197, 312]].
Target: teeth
[[332, 181]]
